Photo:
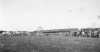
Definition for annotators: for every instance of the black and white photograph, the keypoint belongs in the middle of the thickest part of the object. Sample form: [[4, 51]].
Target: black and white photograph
[[49, 25]]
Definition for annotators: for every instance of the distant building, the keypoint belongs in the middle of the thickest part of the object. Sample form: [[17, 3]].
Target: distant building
[[39, 28], [66, 32]]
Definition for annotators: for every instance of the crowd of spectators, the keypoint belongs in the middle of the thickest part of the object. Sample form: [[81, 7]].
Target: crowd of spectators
[[86, 32]]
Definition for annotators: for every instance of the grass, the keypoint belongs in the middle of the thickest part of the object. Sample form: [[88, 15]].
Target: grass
[[49, 44]]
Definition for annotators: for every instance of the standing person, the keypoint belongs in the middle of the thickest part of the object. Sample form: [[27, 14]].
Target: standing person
[[98, 34]]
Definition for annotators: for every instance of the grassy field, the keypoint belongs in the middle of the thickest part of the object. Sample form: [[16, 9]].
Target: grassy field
[[48, 44]]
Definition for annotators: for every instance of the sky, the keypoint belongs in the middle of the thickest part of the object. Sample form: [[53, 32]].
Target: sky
[[49, 14]]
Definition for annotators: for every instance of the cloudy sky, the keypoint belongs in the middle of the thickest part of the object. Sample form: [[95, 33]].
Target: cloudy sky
[[50, 14]]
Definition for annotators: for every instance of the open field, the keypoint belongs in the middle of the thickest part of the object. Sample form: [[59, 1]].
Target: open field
[[49, 44]]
